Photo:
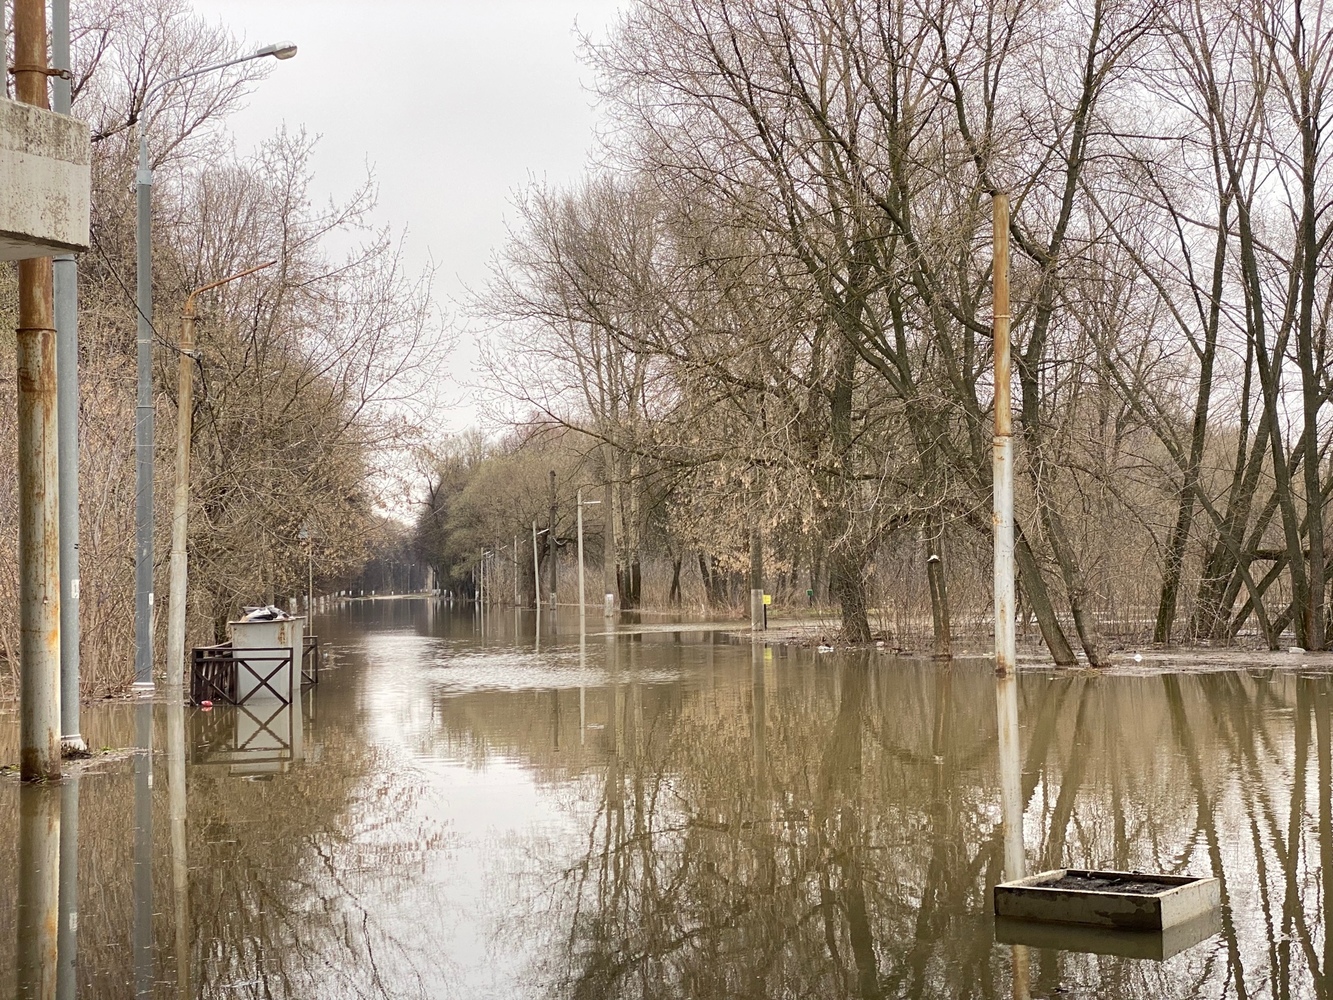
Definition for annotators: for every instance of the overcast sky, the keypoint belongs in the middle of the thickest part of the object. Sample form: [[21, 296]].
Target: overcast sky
[[453, 103]]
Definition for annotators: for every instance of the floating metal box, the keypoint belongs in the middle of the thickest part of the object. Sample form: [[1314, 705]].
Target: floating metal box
[[1128, 901], [44, 182]]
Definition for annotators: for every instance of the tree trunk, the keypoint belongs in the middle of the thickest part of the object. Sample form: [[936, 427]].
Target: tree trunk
[[1034, 585], [1180, 532]]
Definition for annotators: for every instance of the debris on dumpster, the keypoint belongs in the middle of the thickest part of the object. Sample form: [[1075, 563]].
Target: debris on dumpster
[[267, 613]]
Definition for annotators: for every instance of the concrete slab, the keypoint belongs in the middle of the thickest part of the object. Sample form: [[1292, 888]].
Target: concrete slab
[[44, 182]]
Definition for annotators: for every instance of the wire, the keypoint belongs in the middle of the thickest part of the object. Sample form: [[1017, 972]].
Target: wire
[[133, 299]]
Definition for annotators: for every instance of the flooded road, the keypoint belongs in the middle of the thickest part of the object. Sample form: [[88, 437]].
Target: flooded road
[[456, 814]]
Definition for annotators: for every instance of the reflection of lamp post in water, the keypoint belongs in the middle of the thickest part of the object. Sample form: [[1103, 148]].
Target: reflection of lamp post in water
[[143, 849], [68, 935]]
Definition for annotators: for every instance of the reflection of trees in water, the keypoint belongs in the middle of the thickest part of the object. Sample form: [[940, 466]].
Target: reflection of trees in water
[[283, 872], [843, 843]]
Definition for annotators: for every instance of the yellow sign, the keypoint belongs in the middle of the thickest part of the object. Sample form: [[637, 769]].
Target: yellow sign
[[768, 598]]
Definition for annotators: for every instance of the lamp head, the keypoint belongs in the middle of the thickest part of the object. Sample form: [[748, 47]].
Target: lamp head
[[283, 50]]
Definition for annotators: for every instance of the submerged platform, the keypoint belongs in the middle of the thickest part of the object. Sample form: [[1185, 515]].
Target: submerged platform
[[1130, 901]]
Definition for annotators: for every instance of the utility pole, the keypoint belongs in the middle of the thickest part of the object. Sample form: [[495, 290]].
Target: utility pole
[[756, 580], [38, 468], [582, 606], [180, 499], [143, 410], [550, 539], [1003, 448], [608, 551], [65, 280], [143, 426], [537, 577], [1006, 690]]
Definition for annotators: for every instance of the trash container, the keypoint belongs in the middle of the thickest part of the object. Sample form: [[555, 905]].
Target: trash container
[[271, 642]]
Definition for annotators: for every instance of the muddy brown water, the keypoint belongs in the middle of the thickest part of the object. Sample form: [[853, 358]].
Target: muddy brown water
[[454, 813]]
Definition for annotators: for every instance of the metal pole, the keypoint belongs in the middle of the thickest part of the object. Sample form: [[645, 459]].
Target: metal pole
[[516, 571], [38, 472], [1006, 653], [756, 581], [143, 412], [65, 273], [608, 550], [143, 430], [1006, 683], [550, 540], [537, 577], [180, 498], [582, 609], [180, 506]]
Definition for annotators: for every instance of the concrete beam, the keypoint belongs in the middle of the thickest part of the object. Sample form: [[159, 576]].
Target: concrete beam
[[44, 182]]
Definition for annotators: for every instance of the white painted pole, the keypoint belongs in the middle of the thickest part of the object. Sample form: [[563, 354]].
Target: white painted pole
[[1003, 449], [582, 608], [1006, 690], [537, 579]]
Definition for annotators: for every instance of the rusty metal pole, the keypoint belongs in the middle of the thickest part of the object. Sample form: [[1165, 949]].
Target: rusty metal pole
[[39, 511], [180, 507], [180, 501], [1006, 690], [1003, 448]]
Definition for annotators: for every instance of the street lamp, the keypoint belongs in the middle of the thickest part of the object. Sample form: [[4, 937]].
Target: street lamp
[[581, 504], [537, 575], [143, 413]]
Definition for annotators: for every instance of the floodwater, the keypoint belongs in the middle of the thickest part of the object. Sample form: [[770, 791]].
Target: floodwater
[[451, 814]]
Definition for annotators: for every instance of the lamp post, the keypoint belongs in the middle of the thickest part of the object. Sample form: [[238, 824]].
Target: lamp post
[[537, 576], [180, 501], [143, 414], [581, 504]]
